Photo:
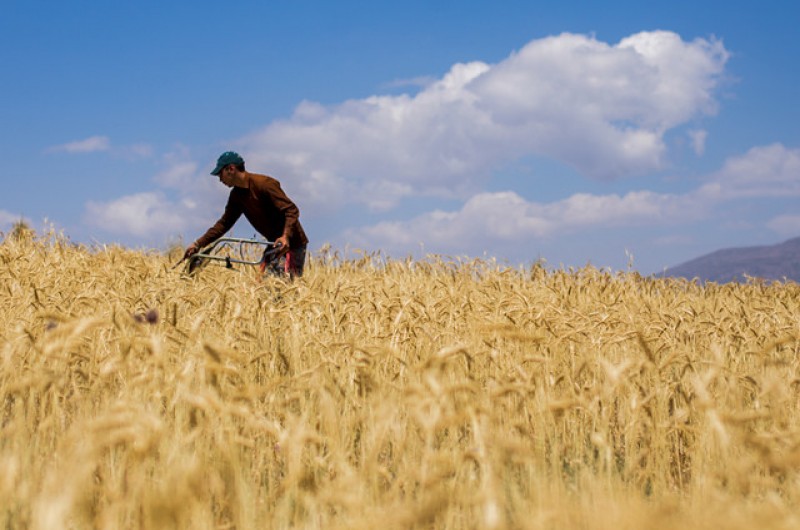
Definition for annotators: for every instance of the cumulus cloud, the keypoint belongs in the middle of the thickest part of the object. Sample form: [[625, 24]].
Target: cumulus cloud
[[601, 108], [88, 145]]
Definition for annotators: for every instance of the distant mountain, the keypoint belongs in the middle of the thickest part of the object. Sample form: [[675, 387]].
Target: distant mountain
[[773, 262]]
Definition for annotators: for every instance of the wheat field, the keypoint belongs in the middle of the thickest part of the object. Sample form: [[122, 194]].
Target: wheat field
[[377, 393]]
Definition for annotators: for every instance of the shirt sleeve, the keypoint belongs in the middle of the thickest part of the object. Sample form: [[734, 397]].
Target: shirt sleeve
[[233, 210], [272, 188]]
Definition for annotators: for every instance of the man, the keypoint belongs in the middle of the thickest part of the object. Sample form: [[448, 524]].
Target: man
[[263, 202]]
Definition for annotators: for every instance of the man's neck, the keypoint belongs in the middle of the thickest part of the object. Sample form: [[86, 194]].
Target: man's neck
[[241, 179]]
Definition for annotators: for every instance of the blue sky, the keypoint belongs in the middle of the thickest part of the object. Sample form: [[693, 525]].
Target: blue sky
[[577, 132]]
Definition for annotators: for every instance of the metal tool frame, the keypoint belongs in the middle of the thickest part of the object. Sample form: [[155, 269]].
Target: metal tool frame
[[212, 253]]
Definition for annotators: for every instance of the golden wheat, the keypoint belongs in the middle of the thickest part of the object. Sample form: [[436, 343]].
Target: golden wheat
[[393, 394]]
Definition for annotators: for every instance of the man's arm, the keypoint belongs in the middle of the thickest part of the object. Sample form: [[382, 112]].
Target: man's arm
[[233, 210]]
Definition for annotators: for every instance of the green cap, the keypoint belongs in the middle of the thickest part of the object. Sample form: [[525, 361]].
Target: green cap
[[225, 159]]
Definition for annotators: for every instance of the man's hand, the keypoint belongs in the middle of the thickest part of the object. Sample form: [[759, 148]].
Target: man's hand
[[283, 242], [191, 250]]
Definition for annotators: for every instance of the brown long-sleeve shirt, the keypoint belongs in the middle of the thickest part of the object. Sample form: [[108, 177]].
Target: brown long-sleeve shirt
[[267, 208]]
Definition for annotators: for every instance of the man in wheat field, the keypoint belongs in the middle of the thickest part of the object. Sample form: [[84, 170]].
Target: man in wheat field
[[263, 202]]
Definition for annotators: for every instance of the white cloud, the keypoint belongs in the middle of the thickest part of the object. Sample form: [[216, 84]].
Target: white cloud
[[178, 175], [141, 215], [505, 217], [194, 201], [601, 108], [494, 218], [598, 107], [764, 171], [88, 145], [95, 144]]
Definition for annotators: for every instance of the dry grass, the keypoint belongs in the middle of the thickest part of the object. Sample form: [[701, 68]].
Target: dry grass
[[390, 394]]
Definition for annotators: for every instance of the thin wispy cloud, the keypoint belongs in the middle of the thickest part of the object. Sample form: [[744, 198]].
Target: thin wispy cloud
[[135, 151], [88, 145], [102, 144], [698, 139]]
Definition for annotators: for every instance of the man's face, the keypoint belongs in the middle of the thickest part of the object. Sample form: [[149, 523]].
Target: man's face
[[227, 174]]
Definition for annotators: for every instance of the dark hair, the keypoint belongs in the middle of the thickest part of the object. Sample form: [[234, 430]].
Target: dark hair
[[240, 167]]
